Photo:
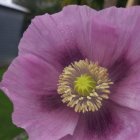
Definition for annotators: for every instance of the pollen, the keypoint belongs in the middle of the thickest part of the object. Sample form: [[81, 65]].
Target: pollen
[[83, 85]]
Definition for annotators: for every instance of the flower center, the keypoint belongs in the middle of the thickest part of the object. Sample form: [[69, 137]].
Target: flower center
[[83, 85]]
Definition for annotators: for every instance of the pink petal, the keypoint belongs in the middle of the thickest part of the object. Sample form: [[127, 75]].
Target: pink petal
[[28, 76], [129, 122], [125, 126], [127, 91], [101, 36], [122, 22], [27, 80], [128, 22], [45, 125], [124, 62], [58, 38]]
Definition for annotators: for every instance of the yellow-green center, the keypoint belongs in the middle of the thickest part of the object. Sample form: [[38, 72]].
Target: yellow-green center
[[84, 84]]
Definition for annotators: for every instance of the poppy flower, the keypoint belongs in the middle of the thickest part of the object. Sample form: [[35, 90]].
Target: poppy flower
[[77, 77]]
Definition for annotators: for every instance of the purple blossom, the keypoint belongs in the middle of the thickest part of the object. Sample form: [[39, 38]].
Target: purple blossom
[[52, 43]]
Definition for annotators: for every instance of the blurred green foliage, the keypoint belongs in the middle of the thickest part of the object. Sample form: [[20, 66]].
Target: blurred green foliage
[[96, 4], [7, 129], [2, 70], [121, 3], [51, 6]]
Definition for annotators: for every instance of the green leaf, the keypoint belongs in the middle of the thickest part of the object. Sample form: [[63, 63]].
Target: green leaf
[[2, 70], [22, 136]]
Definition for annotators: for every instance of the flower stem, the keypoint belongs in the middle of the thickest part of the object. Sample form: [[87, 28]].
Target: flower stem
[[130, 3]]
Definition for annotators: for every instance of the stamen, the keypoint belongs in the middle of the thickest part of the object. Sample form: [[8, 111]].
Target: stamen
[[83, 85]]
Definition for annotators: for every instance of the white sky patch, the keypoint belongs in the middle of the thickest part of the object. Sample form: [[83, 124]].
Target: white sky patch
[[10, 4]]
